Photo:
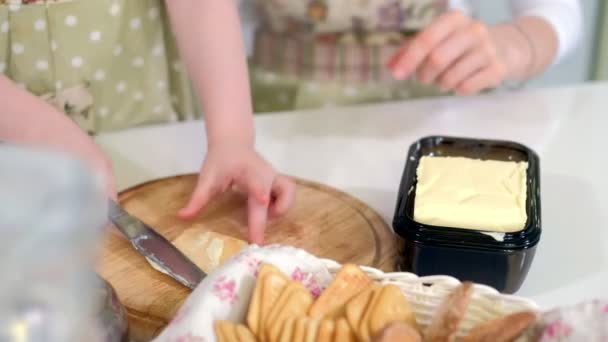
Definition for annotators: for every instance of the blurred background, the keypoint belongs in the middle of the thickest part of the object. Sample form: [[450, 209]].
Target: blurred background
[[582, 65]]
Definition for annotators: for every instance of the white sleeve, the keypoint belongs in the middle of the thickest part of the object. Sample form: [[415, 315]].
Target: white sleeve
[[564, 15]]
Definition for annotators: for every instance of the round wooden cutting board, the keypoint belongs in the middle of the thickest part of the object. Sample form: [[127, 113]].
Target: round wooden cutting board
[[323, 221]]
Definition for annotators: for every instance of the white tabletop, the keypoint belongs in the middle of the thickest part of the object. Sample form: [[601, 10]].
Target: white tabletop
[[362, 151]]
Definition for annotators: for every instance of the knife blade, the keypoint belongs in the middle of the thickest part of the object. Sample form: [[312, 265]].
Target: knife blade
[[155, 248]]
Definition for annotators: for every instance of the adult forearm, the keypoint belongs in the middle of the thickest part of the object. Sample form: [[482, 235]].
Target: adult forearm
[[209, 38], [528, 45]]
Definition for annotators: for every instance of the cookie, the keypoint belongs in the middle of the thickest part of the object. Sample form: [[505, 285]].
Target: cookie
[[344, 333], [356, 307], [349, 281], [244, 334], [226, 331], [398, 332], [392, 306], [269, 285], [327, 329], [363, 329], [294, 301]]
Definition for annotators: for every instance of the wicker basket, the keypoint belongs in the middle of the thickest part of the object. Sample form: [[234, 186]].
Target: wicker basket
[[426, 293]]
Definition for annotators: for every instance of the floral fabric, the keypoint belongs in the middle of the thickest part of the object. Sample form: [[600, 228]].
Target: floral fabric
[[225, 294]]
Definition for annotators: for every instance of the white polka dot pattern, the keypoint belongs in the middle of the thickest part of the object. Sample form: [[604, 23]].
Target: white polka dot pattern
[[42, 64], [103, 111], [95, 36], [114, 9], [100, 75], [71, 20], [153, 13], [138, 62], [121, 87], [77, 61], [39, 25], [117, 51], [135, 23], [18, 48]]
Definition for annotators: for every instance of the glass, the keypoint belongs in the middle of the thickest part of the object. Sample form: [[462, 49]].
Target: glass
[[52, 210]]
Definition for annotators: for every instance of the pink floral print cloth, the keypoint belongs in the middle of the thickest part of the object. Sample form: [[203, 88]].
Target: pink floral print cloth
[[586, 321], [225, 294]]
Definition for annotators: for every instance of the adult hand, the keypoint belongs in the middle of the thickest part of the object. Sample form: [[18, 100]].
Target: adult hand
[[456, 53]]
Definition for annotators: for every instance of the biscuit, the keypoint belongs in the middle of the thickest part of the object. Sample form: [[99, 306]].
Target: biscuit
[[299, 332], [326, 331], [363, 329], [398, 332], [244, 334], [392, 306], [226, 331], [349, 281], [269, 284], [287, 330], [312, 329], [294, 301], [355, 308], [344, 333]]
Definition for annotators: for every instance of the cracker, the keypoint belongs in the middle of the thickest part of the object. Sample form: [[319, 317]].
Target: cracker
[[349, 281], [326, 331], [398, 332], [362, 330], [287, 330], [299, 332], [226, 331], [294, 301], [344, 333], [392, 306], [445, 322], [312, 329], [355, 308], [255, 316], [244, 334], [503, 329]]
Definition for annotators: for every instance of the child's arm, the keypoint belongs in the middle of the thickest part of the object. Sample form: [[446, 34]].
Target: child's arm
[[28, 120], [209, 36]]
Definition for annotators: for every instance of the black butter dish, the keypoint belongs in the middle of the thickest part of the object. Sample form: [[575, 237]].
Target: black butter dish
[[500, 260]]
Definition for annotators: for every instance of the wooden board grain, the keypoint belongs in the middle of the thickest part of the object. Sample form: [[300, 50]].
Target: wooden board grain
[[323, 221]]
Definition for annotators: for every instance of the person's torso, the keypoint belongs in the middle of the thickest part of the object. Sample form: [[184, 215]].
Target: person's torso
[[109, 64], [338, 40]]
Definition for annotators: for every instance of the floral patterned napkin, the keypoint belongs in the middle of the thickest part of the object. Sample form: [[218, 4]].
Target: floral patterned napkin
[[225, 294], [586, 321]]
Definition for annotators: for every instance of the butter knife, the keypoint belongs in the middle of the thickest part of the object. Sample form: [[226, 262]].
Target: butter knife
[[155, 248]]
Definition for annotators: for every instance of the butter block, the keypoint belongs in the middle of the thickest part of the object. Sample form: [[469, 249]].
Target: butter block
[[469, 193], [207, 249]]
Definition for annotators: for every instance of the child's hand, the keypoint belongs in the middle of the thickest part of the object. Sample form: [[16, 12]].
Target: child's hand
[[240, 165], [456, 53]]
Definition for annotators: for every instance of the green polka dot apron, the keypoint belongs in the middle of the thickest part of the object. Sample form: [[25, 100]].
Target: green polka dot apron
[[316, 53], [109, 64]]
